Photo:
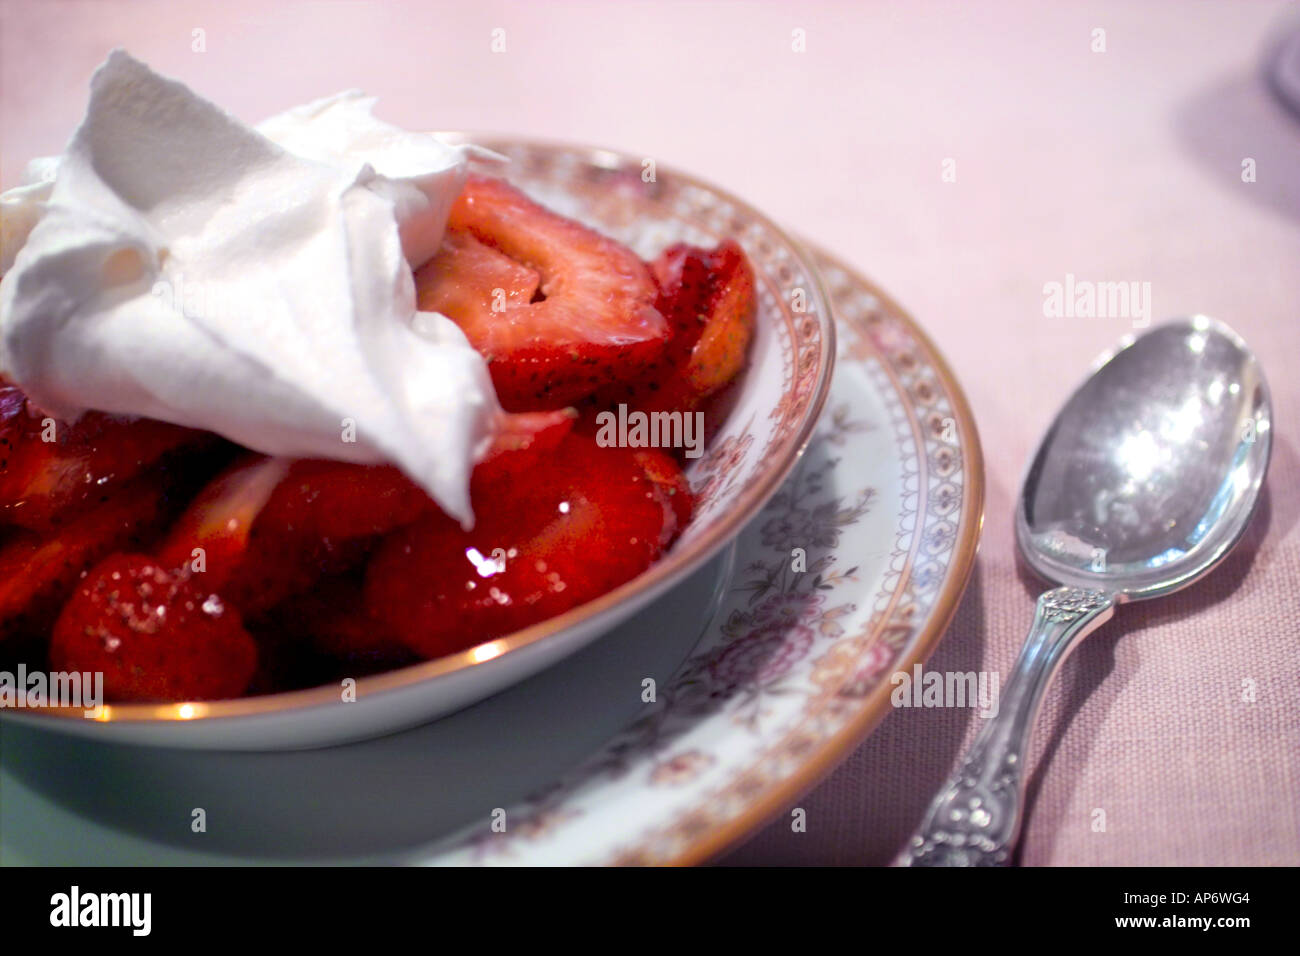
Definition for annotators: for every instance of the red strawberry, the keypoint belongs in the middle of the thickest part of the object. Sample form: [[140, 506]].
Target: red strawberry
[[270, 528], [37, 573], [586, 521], [321, 520], [211, 537], [154, 633], [466, 277], [595, 323], [44, 483], [522, 442], [719, 355], [708, 297], [664, 472], [332, 622], [335, 500], [684, 276]]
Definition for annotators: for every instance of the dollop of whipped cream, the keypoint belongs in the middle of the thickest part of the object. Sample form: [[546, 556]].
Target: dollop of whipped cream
[[175, 263]]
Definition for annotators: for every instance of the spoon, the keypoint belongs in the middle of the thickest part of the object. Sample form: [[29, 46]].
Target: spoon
[[1144, 482]]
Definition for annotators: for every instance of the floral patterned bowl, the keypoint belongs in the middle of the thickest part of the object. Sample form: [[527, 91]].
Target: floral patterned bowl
[[770, 416]]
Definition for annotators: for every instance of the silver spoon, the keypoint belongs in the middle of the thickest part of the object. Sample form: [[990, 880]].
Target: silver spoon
[[1144, 482]]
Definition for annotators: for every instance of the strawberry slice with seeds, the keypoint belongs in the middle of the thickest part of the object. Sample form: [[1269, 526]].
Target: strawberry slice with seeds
[[708, 298], [588, 520], [719, 355], [268, 528], [674, 488], [38, 572], [154, 633], [271, 528], [44, 483], [594, 320], [211, 536], [468, 276], [523, 441]]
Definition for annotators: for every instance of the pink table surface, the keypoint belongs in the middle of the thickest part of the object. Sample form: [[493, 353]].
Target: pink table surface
[[1116, 165]]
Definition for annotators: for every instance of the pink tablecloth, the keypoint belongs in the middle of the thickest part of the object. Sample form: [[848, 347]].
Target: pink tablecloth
[[1117, 164]]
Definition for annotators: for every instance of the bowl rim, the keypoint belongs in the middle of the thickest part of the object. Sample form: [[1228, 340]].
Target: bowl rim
[[655, 580]]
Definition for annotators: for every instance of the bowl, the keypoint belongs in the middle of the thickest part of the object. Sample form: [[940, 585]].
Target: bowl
[[760, 429]]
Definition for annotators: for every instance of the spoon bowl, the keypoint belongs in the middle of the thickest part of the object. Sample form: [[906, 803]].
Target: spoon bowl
[[1151, 471], [1142, 484]]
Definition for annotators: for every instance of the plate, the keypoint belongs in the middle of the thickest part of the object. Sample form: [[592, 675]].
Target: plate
[[765, 676], [883, 515], [755, 437]]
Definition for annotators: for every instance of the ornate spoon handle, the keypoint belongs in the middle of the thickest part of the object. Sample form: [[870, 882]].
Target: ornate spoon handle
[[975, 819]]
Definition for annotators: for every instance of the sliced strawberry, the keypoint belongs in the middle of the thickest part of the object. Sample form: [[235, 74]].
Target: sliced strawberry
[[331, 622], [37, 573], [321, 520], [596, 321], [466, 277], [211, 537], [522, 442], [719, 355], [587, 520], [267, 529], [322, 637], [155, 634], [44, 483], [684, 276], [336, 500], [708, 297], [332, 499], [667, 476]]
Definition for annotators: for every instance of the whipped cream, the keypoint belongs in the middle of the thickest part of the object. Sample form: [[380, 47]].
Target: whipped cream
[[175, 263]]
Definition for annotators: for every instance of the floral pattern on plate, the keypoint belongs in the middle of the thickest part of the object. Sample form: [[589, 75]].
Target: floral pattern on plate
[[850, 573]]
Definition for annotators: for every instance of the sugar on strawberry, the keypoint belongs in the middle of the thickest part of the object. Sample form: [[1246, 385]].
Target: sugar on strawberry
[[154, 633], [39, 571]]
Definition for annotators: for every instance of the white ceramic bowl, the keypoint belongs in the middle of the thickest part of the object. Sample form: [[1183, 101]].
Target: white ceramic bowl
[[769, 418]]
